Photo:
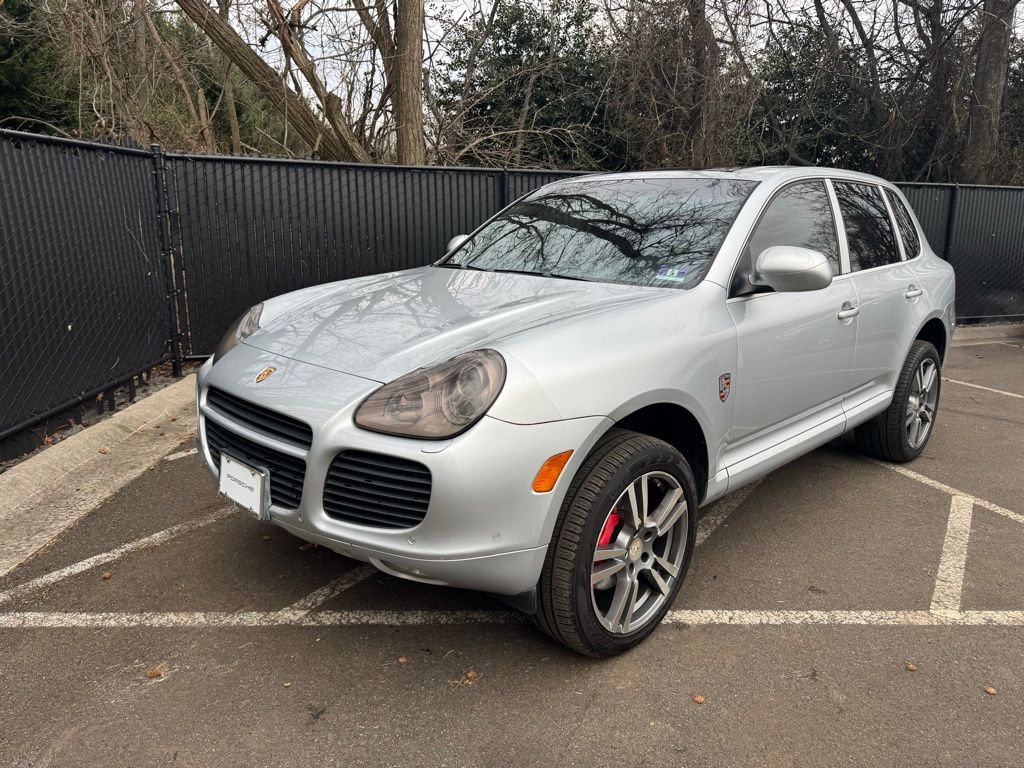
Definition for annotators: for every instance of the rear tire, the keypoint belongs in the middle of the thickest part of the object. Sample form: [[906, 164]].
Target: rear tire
[[602, 606], [901, 432]]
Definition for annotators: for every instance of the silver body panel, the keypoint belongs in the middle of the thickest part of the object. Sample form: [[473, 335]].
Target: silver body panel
[[580, 356]]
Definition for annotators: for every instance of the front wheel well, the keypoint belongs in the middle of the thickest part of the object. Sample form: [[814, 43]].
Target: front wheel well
[[677, 427], [934, 332]]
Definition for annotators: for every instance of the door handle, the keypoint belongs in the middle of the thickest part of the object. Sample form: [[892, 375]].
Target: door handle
[[913, 292], [848, 311]]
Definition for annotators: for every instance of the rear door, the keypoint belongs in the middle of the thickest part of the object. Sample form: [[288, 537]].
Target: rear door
[[887, 289]]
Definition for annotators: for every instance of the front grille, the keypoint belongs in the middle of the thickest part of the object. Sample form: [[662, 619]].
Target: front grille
[[377, 490], [260, 419], [286, 472]]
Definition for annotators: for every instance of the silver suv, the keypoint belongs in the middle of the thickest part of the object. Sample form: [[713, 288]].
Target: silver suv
[[540, 414]]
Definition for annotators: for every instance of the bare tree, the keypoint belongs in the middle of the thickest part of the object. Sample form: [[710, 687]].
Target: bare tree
[[986, 102]]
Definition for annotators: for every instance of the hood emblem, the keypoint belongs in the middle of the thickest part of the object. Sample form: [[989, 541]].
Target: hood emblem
[[265, 374], [724, 385]]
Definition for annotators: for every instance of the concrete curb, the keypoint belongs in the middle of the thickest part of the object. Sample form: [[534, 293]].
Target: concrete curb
[[49, 492], [970, 335]]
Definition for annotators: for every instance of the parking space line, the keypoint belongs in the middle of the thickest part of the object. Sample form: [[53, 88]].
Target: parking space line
[[949, 580], [218, 619], [720, 510], [181, 454], [208, 619], [945, 606], [330, 590], [899, 468], [83, 565], [987, 389]]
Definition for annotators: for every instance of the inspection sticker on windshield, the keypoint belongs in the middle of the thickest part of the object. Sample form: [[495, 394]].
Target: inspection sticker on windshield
[[678, 274]]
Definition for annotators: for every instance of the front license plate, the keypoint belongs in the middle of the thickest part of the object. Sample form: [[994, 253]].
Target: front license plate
[[245, 485]]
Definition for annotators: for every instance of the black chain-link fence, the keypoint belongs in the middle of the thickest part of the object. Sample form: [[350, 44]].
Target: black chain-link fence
[[83, 303], [109, 255]]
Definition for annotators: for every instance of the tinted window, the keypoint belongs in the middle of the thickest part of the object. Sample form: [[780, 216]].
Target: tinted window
[[801, 215], [663, 232], [868, 227], [911, 241]]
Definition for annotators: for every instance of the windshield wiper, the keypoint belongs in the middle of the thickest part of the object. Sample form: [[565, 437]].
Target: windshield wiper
[[456, 265], [543, 273]]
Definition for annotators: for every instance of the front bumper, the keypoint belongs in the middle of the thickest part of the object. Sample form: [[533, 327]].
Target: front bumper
[[484, 529]]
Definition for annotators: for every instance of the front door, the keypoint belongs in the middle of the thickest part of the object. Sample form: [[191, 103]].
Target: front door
[[795, 350]]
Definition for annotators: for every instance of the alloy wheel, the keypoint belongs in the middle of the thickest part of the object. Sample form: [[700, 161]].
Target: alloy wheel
[[922, 402], [639, 552]]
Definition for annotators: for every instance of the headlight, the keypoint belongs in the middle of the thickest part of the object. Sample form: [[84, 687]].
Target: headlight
[[439, 402], [244, 327]]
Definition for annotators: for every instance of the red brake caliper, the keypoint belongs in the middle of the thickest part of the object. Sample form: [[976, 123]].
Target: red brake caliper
[[609, 528]]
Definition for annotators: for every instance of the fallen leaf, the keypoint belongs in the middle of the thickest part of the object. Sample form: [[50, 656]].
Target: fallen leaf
[[910, 667], [991, 691], [48, 439], [403, 660], [174, 418], [161, 434], [157, 671], [106, 575], [471, 676], [104, 450], [287, 685], [698, 699]]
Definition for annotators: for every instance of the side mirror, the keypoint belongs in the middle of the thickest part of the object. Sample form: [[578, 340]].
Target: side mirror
[[791, 268], [455, 242]]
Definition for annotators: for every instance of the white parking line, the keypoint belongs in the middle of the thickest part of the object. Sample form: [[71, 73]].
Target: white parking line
[[330, 590], [215, 619], [181, 454], [945, 606], [987, 389], [201, 620], [949, 580], [106, 557], [901, 469], [720, 510]]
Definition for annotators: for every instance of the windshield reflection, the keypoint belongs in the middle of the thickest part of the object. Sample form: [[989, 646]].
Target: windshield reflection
[[658, 232]]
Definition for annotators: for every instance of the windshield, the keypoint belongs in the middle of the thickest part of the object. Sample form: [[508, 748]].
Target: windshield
[[655, 232]]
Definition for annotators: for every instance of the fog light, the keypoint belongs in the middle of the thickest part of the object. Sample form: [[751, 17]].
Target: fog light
[[550, 471]]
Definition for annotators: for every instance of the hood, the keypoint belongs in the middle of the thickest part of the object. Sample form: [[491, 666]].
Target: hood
[[387, 325]]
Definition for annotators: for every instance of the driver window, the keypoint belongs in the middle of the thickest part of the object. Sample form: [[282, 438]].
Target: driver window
[[801, 214]]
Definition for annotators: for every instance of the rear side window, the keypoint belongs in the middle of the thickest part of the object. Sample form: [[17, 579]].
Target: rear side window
[[869, 230], [911, 241], [801, 215]]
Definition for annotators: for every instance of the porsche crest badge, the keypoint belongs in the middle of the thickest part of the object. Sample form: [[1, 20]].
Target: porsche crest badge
[[724, 385], [265, 374]]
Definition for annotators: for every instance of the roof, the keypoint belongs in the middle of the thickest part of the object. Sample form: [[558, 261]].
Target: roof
[[775, 173]]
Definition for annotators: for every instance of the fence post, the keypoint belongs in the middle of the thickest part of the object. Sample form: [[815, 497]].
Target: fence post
[[950, 221], [503, 190], [163, 219]]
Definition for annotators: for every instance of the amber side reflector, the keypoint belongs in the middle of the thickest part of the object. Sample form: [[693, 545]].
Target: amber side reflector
[[548, 475]]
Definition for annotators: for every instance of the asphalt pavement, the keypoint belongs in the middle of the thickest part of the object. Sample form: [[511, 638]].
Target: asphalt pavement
[[840, 612]]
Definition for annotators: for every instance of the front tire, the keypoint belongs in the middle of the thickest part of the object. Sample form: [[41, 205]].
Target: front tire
[[901, 432], [621, 546]]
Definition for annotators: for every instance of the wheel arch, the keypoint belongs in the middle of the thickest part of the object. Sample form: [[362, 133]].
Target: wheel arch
[[934, 332], [678, 426]]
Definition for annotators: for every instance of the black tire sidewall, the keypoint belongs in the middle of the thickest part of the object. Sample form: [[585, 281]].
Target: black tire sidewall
[[897, 429], [662, 458]]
